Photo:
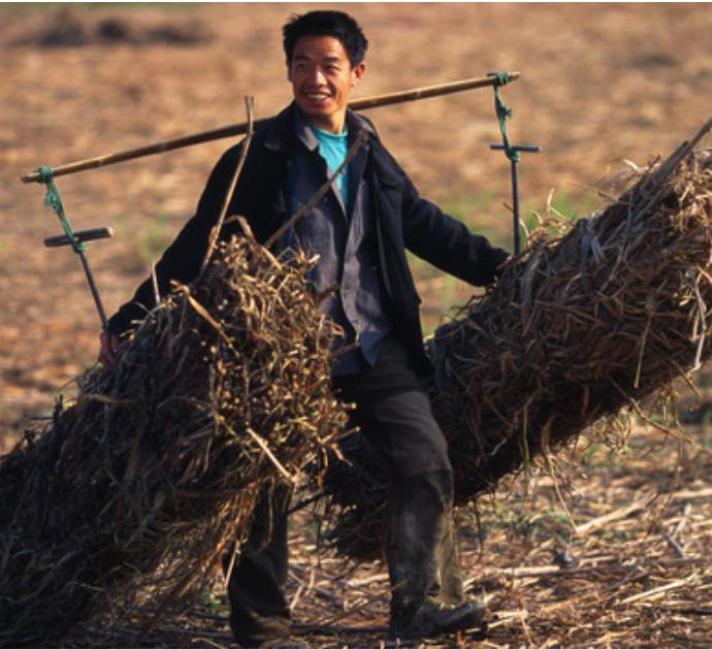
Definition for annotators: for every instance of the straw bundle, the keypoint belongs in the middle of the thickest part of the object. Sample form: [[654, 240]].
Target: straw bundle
[[142, 485], [581, 325]]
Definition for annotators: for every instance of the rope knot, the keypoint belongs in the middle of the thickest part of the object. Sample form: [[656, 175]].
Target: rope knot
[[46, 174], [500, 78], [53, 200], [503, 114]]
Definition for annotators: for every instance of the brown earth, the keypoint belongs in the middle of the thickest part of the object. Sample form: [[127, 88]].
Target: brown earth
[[600, 84]]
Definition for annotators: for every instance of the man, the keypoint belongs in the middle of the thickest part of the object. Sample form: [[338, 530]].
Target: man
[[361, 231]]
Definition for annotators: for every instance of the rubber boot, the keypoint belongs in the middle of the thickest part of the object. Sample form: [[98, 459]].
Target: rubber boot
[[423, 564], [449, 587], [259, 612]]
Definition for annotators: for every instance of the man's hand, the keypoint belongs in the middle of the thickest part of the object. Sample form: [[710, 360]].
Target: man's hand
[[109, 345]]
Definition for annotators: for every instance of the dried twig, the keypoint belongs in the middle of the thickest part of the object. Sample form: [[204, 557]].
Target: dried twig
[[229, 195], [619, 513], [658, 591]]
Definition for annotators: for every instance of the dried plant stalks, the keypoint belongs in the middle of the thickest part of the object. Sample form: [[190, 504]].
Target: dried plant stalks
[[138, 489], [581, 325]]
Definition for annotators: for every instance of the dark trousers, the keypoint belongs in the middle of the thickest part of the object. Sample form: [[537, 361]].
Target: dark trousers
[[394, 413], [259, 611]]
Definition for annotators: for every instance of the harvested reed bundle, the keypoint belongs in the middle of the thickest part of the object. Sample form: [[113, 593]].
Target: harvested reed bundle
[[580, 326], [144, 483]]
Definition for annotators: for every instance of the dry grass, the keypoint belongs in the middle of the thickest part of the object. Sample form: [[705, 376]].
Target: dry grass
[[581, 325], [629, 522], [139, 489]]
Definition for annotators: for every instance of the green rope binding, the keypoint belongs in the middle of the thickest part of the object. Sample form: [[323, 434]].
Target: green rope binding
[[503, 113], [54, 200]]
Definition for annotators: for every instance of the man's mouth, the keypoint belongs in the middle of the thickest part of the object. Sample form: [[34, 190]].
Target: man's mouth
[[317, 97]]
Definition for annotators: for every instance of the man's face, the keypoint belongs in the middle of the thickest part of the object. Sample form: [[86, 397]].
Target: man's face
[[322, 79]]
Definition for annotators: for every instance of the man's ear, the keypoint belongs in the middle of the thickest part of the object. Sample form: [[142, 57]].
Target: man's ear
[[357, 73], [289, 70]]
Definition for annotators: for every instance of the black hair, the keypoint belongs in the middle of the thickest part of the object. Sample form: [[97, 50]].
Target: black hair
[[326, 23]]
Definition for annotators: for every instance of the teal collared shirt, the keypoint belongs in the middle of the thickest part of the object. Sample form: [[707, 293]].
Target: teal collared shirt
[[333, 148]]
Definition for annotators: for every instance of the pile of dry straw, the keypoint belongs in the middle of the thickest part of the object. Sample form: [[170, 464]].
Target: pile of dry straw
[[584, 323], [141, 487]]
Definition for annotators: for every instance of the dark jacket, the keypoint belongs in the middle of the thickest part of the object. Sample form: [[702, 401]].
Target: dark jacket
[[404, 220]]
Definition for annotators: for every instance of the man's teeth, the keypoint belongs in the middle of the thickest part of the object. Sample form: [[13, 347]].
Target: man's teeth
[[317, 96]]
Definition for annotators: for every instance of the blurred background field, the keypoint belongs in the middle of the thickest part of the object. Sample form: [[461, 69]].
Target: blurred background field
[[601, 84]]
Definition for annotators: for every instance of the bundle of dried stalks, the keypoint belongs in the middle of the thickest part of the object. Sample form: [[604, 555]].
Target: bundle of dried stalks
[[142, 485], [581, 325]]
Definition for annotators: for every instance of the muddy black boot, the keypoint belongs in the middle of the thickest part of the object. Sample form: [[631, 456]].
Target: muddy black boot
[[423, 562]]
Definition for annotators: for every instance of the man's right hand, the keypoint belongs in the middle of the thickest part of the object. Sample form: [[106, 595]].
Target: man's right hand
[[109, 344]]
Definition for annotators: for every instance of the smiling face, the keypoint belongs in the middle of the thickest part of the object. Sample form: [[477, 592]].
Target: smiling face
[[322, 78]]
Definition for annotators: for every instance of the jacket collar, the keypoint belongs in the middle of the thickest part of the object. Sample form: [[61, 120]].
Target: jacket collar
[[280, 132]]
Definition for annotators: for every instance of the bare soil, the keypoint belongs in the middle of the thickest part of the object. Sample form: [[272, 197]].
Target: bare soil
[[600, 84]]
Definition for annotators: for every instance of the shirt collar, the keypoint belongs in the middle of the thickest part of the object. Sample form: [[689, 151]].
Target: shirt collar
[[304, 133], [354, 122]]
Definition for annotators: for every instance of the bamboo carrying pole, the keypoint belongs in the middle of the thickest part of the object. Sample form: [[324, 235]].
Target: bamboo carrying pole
[[242, 127]]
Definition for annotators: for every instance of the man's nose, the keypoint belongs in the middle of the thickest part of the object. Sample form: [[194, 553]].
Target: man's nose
[[316, 75]]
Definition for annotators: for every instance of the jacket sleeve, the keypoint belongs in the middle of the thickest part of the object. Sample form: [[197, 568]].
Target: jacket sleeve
[[181, 261], [446, 242]]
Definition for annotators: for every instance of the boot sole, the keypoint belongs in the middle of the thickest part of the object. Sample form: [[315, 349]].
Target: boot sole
[[465, 621]]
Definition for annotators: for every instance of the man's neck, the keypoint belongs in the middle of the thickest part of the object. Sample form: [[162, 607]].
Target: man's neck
[[332, 124]]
